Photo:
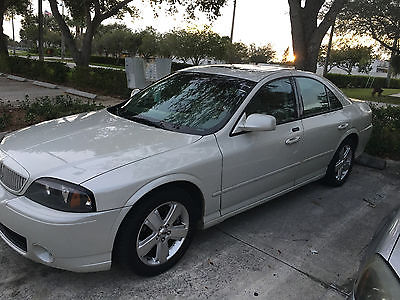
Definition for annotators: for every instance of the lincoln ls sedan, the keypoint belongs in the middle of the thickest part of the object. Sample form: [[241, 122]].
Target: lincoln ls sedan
[[130, 184]]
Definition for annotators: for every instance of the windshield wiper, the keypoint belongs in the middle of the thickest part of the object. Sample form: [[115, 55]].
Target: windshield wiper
[[157, 124]]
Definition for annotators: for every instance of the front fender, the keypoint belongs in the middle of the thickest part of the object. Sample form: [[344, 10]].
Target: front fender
[[144, 190]]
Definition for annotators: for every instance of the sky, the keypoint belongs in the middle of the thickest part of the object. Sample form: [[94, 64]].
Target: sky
[[257, 21]]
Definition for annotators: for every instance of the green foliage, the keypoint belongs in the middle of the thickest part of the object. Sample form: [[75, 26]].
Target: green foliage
[[46, 108], [4, 121], [262, 54], [115, 40], [149, 46], [195, 45], [48, 71], [379, 19], [107, 60], [30, 31], [356, 81], [385, 137], [110, 82], [236, 53], [347, 57], [395, 63]]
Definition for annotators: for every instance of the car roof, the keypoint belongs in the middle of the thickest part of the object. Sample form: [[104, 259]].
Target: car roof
[[250, 72]]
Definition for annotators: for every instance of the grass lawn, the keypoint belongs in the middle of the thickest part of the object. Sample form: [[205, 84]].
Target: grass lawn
[[365, 94]]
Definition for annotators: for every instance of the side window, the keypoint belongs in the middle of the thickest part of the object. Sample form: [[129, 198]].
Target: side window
[[315, 99], [334, 102], [275, 98]]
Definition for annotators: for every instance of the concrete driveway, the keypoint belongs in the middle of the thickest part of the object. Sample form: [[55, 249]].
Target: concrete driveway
[[304, 245]]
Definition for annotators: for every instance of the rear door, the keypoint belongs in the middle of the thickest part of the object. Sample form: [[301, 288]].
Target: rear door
[[324, 124]]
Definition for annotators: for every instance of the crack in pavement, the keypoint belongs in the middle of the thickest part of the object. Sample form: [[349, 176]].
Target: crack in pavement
[[313, 278]]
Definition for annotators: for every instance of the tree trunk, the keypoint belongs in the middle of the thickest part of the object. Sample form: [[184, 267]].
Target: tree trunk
[[307, 35], [3, 39]]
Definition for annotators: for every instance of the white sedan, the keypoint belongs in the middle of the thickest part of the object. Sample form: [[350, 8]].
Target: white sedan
[[131, 183]]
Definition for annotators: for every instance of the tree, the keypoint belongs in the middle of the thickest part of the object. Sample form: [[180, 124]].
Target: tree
[[115, 39], [285, 56], [262, 54], [196, 45], [380, 19], [29, 32], [346, 57], [149, 46], [93, 12], [307, 32], [6, 6], [236, 53]]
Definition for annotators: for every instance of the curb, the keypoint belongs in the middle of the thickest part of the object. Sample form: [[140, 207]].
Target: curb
[[16, 78], [45, 84], [52, 86], [81, 94], [371, 161]]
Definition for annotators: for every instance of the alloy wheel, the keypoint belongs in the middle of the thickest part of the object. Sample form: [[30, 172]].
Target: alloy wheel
[[162, 233], [343, 165]]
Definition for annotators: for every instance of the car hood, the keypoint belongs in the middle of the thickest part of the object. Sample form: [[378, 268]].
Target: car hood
[[80, 147]]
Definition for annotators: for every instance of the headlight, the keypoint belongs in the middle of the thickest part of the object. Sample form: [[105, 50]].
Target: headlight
[[377, 281], [61, 195]]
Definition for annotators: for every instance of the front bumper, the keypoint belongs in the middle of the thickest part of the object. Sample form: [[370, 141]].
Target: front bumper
[[69, 241]]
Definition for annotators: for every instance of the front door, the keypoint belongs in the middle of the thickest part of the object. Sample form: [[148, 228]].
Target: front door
[[257, 165]]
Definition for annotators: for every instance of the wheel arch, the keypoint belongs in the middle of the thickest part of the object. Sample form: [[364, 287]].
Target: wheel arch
[[350, 135], [184, 181]]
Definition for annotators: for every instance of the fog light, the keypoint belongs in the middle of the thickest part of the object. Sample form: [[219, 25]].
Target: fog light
[[43, 254]]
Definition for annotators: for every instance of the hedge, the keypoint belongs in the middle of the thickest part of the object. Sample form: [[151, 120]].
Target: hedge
[[121, 62], [360, 81], [385, 137], [54, 72], [109, 82], [102, 81], [107, 60]]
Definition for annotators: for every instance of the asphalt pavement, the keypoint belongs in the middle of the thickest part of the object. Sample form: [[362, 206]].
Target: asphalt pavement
[[304, 245]]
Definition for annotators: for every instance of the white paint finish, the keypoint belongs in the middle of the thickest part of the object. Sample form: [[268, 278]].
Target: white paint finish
[[81, 94], [121, 161], [395, 259], [251, 170], [249, 72], [79, 147]]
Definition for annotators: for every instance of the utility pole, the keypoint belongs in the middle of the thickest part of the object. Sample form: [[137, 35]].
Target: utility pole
[[62, 38], [13, 32], [40, 16], [328, 51], [233, 19]]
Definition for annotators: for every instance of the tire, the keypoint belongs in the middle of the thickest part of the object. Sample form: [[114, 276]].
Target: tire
[[341, 164], [156, 233]]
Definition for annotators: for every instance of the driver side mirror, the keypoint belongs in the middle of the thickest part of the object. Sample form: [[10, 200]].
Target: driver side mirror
[[258, 122]]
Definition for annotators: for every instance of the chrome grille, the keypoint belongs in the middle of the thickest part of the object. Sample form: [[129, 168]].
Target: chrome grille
[[11, 179]]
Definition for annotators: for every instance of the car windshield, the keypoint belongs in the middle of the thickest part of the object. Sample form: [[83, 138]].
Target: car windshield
[[194, 103]]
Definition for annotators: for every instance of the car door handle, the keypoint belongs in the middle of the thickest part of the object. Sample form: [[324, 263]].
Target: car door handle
[[343, 126], [292, 140]]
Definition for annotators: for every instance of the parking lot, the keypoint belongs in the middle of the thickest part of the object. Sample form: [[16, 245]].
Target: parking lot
[[304, 245]]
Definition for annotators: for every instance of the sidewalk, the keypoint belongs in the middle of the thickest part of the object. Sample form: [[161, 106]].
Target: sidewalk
[[14, 92]]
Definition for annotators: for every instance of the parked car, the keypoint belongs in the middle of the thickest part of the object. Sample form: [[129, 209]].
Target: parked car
[[131, 183], [379, 275]]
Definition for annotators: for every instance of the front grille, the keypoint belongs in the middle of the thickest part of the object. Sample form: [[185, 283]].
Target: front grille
[[18, 240], [11, 179]]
